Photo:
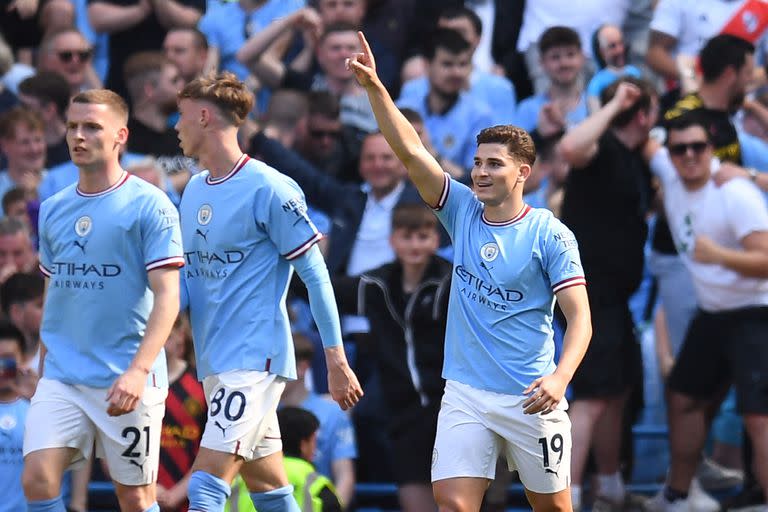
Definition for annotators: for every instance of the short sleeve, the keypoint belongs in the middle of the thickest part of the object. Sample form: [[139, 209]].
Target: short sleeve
[[454, 198], [666, 18], [45, 255], [281, 210], [161, 233], [745, 207], [561, 257]]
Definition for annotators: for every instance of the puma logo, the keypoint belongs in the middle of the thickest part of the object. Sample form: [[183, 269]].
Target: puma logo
[[223, 429], [547, 470], [140, 466], [204, 236], [81, 245]]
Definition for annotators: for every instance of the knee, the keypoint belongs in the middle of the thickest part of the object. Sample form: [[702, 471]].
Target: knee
[[39, 484], [450, 502]]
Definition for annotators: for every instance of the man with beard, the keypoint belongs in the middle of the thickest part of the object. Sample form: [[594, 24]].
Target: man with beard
[[451, 116], [564, 104], [153, 82], [611, 55]]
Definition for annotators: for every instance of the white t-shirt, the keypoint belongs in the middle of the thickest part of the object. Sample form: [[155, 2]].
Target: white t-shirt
[[692, 23], [726, 215], [584, 16]]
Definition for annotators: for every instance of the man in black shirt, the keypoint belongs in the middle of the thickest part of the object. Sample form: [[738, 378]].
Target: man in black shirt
[[153, 83], [47, 93], [138, 25], [607, 195]]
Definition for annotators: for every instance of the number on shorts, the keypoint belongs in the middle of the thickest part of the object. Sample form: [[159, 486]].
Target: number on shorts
[[216, 406], [133, 431], [555, 444]]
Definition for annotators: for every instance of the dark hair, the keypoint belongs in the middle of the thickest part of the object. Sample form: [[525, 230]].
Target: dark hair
[[643, 102], [141, 68], [48, 87], [230, 95], [303, 348], [339, 26], [518, 141], [413, 216], [199, 38], [13, 195], [21, 288], [558, 36], [455, 12], [296, 425], [720, 53], [448, 40], [411, 115], [323, 103], [8, 331], [688, 120]]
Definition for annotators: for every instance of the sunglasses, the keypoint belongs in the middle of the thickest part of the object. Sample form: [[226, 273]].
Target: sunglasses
[[82, 55], [682, 149]]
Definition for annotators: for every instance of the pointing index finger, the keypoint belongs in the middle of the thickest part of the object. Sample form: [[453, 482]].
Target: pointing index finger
[[365, 45]]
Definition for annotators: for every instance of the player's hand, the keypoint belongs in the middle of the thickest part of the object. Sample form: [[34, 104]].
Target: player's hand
[[126, 391], [25, 8], [545, 393], [706, 250], [342, 381], [626, 96], [363, 65], [727, 171]]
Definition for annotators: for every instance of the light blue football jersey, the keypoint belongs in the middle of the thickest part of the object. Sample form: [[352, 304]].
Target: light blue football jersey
[[499, 335], [240, 232], [96, 249]]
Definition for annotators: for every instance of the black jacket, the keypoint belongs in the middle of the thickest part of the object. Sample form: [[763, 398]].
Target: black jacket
[[408, 331]]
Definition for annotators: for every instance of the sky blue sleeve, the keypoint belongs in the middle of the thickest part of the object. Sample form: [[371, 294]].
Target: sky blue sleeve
[[754, 151], [161, 233], [562, 262], [313, 272], [282, 210], [454, 199], [45, 248]]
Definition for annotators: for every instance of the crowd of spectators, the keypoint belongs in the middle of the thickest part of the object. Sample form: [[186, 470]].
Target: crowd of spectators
[[598, 84]]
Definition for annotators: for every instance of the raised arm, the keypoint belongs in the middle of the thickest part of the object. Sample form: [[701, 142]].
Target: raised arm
[[172, 14], [423, 169], [579, 145], [108, 18]]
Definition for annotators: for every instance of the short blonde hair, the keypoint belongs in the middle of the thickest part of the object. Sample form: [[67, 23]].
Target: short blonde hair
[[104, 97], [230, 95]]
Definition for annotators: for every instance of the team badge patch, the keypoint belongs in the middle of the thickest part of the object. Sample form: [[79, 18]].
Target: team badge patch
[[83, 225], [204, 215], [489, 251], [7, 422]]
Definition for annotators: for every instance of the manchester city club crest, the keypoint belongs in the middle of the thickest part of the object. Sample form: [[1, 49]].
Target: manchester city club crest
[[7, 422], [489, 251], [204, 215], [83, 225]]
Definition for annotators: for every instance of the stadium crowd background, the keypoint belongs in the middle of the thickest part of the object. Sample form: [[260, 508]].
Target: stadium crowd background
[[455, 67]]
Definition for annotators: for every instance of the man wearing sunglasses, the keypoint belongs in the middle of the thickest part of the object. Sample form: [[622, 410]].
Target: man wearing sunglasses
[[721, 235], [68, 53]]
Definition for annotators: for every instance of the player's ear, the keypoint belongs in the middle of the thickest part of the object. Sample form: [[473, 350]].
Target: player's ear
[[524, 172], [122, 135]]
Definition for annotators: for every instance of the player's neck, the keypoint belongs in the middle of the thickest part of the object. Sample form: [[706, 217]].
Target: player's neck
[[93, 181], [221, 154], [506, 210], [8, 396]]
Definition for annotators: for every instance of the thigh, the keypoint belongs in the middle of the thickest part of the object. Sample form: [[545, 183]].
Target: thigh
[[701, 370], [130, 444], [242, 417], [464, 445], [265, 474], [538, 446], [545, 502], [57, 420]]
